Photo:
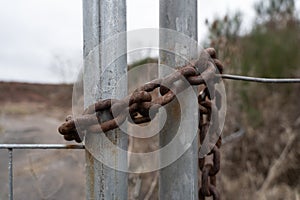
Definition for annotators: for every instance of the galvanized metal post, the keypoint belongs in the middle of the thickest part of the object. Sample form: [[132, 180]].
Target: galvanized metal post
[[10, 174], [178, 180], [101, 20]]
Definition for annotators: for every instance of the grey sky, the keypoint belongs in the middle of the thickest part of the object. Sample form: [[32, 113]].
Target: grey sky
[[37, 36]]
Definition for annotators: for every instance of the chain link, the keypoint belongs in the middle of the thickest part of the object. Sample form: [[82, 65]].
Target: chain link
[[137, 106], [209, 101]]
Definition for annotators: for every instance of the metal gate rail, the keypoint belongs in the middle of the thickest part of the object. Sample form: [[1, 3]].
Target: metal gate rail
[[11, 147]]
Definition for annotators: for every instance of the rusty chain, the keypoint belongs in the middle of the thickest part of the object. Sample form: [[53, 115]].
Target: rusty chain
[[209, 165], [137, 105]]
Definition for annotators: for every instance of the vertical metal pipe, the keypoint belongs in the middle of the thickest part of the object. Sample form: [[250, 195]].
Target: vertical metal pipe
[[178, 180], [103, 19], [10, 174]]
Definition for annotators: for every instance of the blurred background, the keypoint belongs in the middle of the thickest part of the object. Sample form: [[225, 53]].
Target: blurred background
[[41, 53]]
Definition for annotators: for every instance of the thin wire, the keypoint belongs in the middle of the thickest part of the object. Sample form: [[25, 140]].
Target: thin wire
[[260, 80]]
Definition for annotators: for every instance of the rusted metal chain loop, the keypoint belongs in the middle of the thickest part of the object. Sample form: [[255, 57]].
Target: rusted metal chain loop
[[136, 107], [209, 101], [140, 96], [216, 162]]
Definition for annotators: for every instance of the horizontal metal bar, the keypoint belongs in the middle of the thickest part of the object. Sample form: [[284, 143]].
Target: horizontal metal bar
[[260, 80], [41, 146]]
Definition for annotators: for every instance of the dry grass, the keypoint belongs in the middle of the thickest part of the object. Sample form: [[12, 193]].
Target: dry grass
[[262, 164], [21, 109]]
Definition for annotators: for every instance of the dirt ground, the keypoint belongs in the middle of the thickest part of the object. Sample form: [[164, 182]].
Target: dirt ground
[[30, 114], [254, 166]]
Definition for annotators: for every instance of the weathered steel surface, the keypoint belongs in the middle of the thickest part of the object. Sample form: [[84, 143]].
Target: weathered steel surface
[[178, 180], [103, 19]]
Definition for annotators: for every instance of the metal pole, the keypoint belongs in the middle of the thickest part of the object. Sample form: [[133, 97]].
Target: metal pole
[[10, 174], [178, 180], [101, 20]]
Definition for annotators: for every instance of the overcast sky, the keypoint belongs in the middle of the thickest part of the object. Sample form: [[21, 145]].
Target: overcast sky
[[37, 36]]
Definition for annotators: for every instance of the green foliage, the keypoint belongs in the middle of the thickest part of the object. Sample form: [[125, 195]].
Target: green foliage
[[270, 53], [269, 49]]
